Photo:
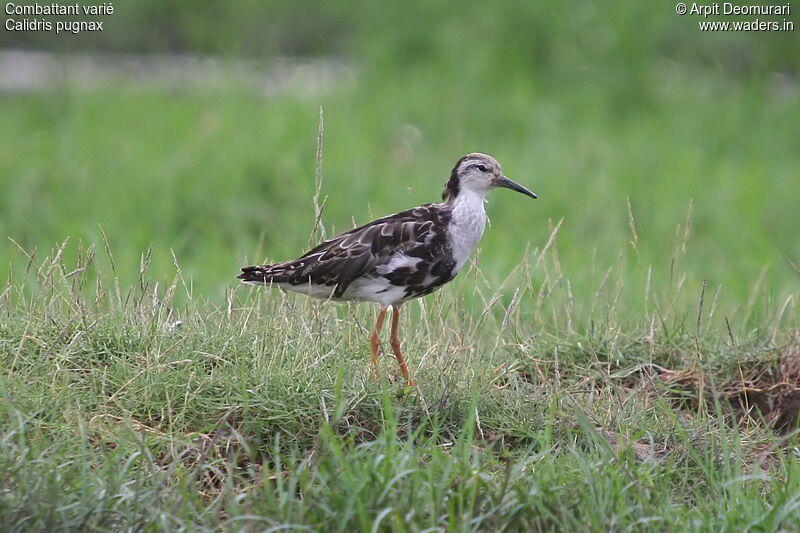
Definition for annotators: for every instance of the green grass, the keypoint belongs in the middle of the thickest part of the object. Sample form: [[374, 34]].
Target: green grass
[[258, 411], [225, 179], [622, 354], [541, 404]]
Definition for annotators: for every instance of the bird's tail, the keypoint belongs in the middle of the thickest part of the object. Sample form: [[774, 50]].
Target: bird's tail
[[265, 274]]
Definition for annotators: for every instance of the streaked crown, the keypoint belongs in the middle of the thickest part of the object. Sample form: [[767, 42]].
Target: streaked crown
[[474, 171], [478, 173]]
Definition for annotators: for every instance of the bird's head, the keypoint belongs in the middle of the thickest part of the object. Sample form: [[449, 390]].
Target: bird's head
[[478, 173]]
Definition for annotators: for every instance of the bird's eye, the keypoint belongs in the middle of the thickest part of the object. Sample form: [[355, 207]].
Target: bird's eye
[[482, 168]]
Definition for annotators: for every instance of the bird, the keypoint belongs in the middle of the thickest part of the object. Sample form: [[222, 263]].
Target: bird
[[399, 257]]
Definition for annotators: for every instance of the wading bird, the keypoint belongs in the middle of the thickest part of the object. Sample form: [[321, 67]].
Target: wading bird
[[398, 257]]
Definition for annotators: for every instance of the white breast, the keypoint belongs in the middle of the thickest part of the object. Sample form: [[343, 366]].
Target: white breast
[[466, 226]]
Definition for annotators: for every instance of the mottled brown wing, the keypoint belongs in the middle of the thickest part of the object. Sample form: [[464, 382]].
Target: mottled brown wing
[[355, 253]]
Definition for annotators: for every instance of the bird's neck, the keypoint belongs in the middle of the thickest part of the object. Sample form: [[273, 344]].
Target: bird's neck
[[467, 225], [468, 200]]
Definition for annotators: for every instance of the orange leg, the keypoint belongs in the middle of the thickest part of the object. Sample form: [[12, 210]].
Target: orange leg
[[375, 342], [396, 345]]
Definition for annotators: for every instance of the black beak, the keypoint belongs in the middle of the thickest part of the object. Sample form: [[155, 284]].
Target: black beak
[[504, 182]]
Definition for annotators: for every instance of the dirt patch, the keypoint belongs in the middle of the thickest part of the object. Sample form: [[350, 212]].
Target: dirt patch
[[766, 392]]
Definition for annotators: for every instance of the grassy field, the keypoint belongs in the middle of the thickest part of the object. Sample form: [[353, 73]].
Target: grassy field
[[257, 412], [623, 353]]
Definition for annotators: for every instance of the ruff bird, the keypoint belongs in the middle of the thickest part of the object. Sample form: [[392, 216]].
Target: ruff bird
[[398, 257]]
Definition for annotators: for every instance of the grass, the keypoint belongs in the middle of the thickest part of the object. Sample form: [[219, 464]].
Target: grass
[[122, 409], [217, 179]]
